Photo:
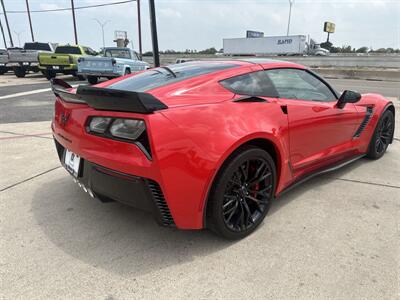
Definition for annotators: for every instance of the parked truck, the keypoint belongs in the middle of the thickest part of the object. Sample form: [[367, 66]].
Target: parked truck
[[23, 60], [114, 62], [273, 45], [64, 60], [4, 67]]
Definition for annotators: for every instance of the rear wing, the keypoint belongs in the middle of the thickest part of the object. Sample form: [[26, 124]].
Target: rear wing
[[107, 99]]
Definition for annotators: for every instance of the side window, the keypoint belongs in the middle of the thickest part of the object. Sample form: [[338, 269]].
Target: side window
[[299, 84], [252, 84]]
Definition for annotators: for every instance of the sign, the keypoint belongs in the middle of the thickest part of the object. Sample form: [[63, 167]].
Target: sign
[[254, 34], [329, 27]]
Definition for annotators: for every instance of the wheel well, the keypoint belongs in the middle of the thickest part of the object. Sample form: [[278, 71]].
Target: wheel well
[[391, 108], [264, 144]]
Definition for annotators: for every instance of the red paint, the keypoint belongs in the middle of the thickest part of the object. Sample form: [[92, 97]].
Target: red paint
[[202, 126]]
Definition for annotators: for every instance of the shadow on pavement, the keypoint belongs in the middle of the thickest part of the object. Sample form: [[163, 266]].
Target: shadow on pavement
[[126, 241]]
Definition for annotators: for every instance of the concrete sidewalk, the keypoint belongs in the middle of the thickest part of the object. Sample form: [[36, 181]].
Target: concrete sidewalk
[[336, 236]]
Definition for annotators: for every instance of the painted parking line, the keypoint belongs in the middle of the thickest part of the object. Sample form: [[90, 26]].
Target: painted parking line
[[18, 135], [29, 93]]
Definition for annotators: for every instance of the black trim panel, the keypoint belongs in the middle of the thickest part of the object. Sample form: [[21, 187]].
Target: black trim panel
[[368, 115]]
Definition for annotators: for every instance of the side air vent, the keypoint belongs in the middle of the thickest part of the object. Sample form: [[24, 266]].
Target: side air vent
[[364, 123], [158, 196]]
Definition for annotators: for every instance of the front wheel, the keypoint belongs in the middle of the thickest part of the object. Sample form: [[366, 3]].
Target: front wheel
[[242, 193], [382, 136]]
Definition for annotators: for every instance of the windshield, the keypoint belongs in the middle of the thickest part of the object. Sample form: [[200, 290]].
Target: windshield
[[158, 77], [118, 53], [68, 50], [37, 46]]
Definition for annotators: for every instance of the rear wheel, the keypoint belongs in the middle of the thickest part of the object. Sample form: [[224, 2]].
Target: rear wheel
[[93, 79], [20, 72], [3, 70], [242, 193], [127, 72], [382, 136]]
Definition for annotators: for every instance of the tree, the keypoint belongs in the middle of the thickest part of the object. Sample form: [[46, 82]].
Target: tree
[[362, 50]]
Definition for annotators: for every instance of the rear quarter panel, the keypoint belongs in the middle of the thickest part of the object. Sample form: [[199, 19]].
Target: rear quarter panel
[[191, 147]]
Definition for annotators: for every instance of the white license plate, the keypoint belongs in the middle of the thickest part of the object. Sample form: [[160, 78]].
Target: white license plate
[[56, 67], [2, 65], [72, 162], [25, 64]]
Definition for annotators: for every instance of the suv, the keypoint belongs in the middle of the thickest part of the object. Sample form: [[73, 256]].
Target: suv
[[64, 60], [23, 60]]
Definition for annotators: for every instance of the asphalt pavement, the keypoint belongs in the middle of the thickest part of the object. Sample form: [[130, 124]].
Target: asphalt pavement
[[334, 237]]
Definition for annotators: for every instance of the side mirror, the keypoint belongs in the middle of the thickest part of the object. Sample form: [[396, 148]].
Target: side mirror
[[348, 97]]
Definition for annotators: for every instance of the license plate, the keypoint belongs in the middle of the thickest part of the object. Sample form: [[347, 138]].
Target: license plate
[[72, 162], [2, 65], [25, 64], [56, 67]]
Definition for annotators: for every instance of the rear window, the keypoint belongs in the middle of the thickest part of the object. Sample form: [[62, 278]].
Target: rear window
[[68, 50], [162, 76], [252, 84], [118, 53], [37, 46]]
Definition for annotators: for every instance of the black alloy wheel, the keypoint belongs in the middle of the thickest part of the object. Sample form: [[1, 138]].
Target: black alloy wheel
[[243, 193], [382, 136]]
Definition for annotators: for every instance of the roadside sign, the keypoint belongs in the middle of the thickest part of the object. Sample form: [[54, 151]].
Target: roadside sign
[[329, 27], [254, 34]]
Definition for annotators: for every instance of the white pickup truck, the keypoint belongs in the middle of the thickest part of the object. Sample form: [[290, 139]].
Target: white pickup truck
[[26, 59], [4, 68]]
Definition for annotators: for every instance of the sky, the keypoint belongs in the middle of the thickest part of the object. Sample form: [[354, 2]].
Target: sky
[[200, 24]]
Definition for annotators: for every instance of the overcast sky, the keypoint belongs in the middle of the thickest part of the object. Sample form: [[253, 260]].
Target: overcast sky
[[200, 24]]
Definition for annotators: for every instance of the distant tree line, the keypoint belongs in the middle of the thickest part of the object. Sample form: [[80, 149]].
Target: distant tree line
[[349, 49], [211, 51]]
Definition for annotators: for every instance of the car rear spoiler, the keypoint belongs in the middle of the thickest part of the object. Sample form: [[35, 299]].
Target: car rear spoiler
[[107, 99]]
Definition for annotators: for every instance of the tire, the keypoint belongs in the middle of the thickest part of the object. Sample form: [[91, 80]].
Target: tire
[[93, 79], [382, 136], [237, 205], [49, 74], [81, 77], [127, 72], [20, 72], [3, 70]]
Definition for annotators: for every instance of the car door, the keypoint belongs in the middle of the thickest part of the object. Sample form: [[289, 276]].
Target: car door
[[320, 133]]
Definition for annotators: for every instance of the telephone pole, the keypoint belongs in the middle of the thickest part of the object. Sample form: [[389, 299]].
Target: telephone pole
[[30, 20], [8, 25], [154, 39], [4, 37], [290, 15], [73, 19]]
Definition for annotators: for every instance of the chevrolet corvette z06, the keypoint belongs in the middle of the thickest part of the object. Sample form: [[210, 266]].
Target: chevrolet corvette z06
[[210, 144]]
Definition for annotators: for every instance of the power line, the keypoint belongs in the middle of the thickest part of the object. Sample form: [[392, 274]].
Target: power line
[[67, 8]]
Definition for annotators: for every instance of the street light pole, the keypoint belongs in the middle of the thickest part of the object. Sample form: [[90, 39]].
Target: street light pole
[[139, 28], [154, 39], [8, 25], [73, 19], [102, 25], [18, 33], [30, 20], [290, 15]]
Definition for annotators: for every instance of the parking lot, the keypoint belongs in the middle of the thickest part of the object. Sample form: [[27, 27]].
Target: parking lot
[[336, 236]]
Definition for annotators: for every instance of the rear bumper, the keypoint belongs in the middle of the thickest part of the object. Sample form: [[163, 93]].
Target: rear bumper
[[110, 185], [99, 73], [58, 68]]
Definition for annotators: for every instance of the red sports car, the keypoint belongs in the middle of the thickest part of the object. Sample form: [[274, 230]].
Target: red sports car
[[210, 144]]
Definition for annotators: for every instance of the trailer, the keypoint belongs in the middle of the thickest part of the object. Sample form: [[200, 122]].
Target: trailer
[[272, 45]]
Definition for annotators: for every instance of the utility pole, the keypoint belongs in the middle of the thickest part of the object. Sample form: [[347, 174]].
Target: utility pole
[[30, 20], [4, 37], [8, 25], [139, 28], [102, 25], [154, 39], [290, 15], [73, 19]]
